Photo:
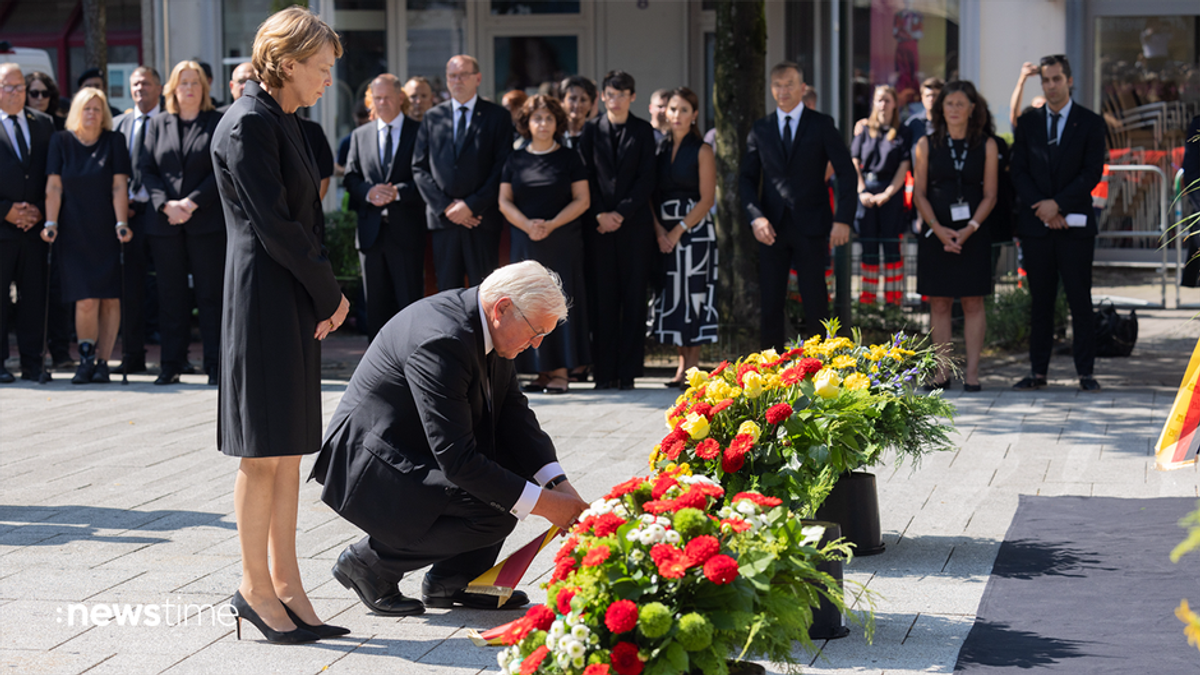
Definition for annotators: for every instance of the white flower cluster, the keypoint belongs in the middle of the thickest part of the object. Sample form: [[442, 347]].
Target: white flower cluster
[[568, 640], [747, 511], [602, 506], [652, 529]]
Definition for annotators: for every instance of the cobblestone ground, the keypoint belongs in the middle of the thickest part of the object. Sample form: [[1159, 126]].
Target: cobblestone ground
[[117, 496]]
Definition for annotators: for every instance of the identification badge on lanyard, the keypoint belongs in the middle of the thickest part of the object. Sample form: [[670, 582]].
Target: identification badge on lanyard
[[960, 212]]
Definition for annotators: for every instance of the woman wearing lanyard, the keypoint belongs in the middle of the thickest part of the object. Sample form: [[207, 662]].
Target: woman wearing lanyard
[[954, 191], [881, 157]]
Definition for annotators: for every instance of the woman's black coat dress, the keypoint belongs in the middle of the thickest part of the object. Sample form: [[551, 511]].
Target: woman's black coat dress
[[278, 282]]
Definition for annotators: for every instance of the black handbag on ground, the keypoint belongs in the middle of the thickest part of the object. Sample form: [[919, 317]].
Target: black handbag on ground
[[1115, 334]]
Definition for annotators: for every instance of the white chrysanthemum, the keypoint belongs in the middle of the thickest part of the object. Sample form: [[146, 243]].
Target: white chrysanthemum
[[663, 521], [812, 535], [557, 629], [580, 632], [655, 533], [636, 556], [574, 619], [746, 507], [551, 642], [503, 658], [648, 518], [576, 649], [562, 660], [673, 537], [578, 663]]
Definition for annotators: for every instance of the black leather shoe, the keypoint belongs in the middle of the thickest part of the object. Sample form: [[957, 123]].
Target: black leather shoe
[[944, 385], [101, 373], [605, 386], [1030, 383], [1089, 384], [972, 388], [31, 374], [5, 376], [169, 374], [626, 385], [450, 592], [213, 375], [382, 597], [130, 365]]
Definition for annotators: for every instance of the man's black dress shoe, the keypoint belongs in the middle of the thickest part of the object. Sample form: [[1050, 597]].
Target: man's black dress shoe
[[31, 374], [1089, 384], [214, 376], [5, 376], [450, 592], [130, 365], [383, 597], [626, 385], [169, 375], [605, 386], [1030, 383]]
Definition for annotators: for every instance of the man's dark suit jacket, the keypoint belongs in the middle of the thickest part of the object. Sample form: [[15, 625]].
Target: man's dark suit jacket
[[364, 170], [170, 171], [124, 124], [625, 186], [474, 176], [415, 423], [20, 181], [790, 190], [1066, 174]]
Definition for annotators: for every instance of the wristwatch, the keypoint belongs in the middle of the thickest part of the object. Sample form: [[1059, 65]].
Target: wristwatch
[[554, 482]]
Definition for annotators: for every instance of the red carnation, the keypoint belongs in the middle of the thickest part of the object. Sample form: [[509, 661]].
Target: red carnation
[[810, 366], [741, 444], [700, 392], [691, 499], [625, 488], [673, 449], [703, 409], [658, 506], [562, 601], [700, 549], [721, 405], [534, 661], [762, 500], [607, 523], [721, 569], [736, 524], [621, 617], [563, 569], [709, 489], [540, 616], [778, 413], [663, 483], [596, 556], [567, 549], [596, 669], [677, 410], [733, 461], [708, 449], [625, 659], [720, 369], [584, 525], [672, 563]]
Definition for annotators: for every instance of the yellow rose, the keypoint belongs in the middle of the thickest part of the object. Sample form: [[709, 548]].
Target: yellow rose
[[827, 382], [856, 381], [696, 377], [844, 361], [696, 426], [750, 428], [752, 384], [769, 355]]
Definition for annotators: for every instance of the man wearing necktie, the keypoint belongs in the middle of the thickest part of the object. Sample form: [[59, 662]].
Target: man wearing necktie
[[24, 142], [391, 214], [1057, 158], [782, 185], [460, 151], [145, 86], [433, 450]]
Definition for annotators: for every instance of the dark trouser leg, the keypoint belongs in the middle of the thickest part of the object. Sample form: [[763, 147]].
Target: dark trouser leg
[[405, 253], [133, 346], [448, 263], [1074, 259], [174, 300], [1041, 270], [634, 277], [377, 283], [206, 259], [24, 261], [774, 263], [809, 258], [481, 251], [463, 541], [61, 315], [603, 289]]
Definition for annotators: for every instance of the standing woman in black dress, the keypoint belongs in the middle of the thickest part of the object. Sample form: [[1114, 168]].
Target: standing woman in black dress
[[281, 299], [188, 232], [543, 192], [87, 191], [685, 313], [954, 190]]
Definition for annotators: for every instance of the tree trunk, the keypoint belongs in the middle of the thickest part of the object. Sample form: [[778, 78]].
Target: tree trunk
[[739, 91], [95, 38]]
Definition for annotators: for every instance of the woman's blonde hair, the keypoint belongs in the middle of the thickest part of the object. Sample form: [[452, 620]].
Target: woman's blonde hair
[[82, 98], [173, 84], [294, 33], [876, 122]]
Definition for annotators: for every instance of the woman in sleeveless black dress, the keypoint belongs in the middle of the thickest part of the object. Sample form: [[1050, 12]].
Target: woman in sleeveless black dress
[[955, 190], [685, 312], [543, 192]]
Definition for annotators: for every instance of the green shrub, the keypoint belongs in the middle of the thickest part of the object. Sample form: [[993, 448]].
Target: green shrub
[[1008, 317], [340, 230]]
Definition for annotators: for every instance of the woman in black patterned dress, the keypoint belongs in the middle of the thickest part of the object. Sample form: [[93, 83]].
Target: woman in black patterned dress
[[685, 313]]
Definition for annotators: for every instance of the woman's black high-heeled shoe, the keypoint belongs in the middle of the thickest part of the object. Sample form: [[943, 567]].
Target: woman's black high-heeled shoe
[[322, 631], [292, 637]]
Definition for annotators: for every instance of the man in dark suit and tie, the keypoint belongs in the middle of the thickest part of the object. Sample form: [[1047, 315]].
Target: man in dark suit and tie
[[460, 151], [391, 215], [1057, 158], [619, 151], [433, 450], [145, 86], [24, 142], [783, 188]]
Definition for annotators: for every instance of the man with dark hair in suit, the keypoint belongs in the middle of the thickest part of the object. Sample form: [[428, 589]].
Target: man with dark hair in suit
[[433, 450], [145, 86], [460, 151], [391, 215], [618, 148], [24, 143], [1057, 158], [782, 186]]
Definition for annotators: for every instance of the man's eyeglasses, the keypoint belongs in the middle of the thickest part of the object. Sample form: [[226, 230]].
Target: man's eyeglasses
[[536, 333], [38, 93], [13, 88]]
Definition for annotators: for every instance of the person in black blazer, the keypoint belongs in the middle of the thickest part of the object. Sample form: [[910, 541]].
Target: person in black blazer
[[1057, 158], [145, 86], [281, 299], [391, 215], [619, 242], [433, 450], [23, 204], [460, 151], [786, 199], [187, 231]]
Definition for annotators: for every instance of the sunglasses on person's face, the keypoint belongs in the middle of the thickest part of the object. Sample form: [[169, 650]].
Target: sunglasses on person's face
[[38, 93]]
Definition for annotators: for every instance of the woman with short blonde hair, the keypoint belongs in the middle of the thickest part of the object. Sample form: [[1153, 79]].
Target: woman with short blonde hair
[[79, 102], [280, 300], [173, 85]]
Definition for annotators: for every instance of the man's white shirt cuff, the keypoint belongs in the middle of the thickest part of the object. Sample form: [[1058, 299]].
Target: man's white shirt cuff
[[529, 496]]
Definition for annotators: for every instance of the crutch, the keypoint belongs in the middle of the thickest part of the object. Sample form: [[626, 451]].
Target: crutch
[[124, 342], [44, 377]]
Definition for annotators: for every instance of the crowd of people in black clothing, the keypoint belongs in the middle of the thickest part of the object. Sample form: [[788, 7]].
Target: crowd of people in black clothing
[[619, 206]]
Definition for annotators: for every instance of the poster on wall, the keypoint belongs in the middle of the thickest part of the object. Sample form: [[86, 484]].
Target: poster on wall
[[912, 40]]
